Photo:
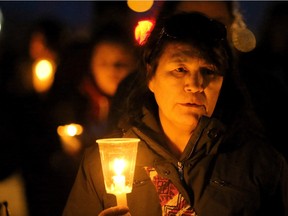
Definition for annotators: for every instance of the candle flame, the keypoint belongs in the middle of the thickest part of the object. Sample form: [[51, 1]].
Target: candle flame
[[119, 166]]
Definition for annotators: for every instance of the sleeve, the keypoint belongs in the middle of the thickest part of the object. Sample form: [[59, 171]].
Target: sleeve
[[84, 198]]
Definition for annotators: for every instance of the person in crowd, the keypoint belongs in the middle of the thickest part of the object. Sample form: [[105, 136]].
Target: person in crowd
[[201, 149], [226, 12], [26, 130], [87, 81], [112, 59], [45, 40], [261, 68]]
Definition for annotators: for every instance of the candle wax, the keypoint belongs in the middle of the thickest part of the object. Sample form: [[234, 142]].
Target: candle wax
[[119, 183], [121, 199]]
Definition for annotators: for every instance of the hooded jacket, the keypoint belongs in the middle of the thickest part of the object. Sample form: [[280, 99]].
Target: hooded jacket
[[216, 176]]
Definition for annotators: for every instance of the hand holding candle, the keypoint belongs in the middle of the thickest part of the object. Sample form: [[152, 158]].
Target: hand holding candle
[[115, 210]]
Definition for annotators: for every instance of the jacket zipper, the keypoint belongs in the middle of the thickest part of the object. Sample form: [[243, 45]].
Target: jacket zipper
[[180, 170]]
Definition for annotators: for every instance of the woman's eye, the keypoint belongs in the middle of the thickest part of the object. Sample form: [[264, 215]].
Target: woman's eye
[[207, 71], [181, 70]]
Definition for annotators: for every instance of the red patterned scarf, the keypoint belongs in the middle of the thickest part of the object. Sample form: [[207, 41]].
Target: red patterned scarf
[[172, 202]]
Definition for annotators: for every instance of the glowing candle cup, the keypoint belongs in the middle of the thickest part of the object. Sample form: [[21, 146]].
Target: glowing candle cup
[[118, 157]]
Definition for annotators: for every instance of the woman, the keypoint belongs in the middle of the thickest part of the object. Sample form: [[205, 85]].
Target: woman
[[201, 152], [226, 12]]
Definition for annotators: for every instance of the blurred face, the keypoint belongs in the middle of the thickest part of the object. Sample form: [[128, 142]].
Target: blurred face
[[185, 86], [110, 64]]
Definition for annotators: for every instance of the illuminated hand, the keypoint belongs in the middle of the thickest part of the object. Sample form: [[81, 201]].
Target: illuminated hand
[[115, 211]]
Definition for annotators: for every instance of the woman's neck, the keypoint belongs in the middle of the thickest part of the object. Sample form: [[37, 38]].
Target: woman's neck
[[177, 137]]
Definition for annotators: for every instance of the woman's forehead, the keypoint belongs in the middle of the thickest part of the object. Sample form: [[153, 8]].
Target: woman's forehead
[[180, 51]]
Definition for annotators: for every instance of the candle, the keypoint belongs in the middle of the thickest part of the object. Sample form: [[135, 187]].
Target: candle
[[118, 157], [121, 199], [119, 183]]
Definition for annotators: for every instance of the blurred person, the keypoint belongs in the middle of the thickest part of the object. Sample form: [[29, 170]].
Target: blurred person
[[86, 80], [12, 184], [112, 58], [67, 106], [26, 130], [46, 39], [201, 150]]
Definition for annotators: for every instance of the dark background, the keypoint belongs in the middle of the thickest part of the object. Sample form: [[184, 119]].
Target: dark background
[[82, 16], [265, 71]]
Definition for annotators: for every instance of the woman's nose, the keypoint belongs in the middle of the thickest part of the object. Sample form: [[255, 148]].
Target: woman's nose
[[193, 83]]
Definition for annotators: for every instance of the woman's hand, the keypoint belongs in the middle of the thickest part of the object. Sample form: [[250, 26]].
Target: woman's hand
[[115, 211]]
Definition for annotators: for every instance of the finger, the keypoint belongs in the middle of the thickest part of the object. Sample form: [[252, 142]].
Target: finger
[[115, 211]]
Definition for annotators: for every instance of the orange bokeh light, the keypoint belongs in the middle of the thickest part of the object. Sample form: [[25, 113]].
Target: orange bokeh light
[[140, 6], [43, 74], [142, 30]]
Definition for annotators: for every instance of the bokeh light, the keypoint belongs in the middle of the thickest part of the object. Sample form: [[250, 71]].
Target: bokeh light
[[69, 130], [43, 75], [243, 39], [142, 30], [68, 135], [140, 6]]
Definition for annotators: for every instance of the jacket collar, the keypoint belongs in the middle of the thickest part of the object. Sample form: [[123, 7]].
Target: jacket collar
[[205, 139]]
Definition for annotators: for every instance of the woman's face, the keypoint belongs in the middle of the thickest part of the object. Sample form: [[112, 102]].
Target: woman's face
[[185, 86]]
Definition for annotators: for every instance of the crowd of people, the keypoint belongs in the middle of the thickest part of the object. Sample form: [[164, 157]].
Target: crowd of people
[[86, 74], [224, 136]]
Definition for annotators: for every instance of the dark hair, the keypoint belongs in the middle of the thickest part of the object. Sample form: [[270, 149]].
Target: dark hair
[[170, 7], [113, 32], [235, 21], [206, 35], [209, 37]]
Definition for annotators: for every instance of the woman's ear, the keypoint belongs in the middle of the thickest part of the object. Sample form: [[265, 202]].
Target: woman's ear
[[150, 77]]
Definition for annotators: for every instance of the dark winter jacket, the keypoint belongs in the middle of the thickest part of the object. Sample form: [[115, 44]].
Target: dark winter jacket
[[217, 177]]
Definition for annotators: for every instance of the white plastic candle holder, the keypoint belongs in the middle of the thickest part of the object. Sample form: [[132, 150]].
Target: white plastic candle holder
[[118, 158]]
